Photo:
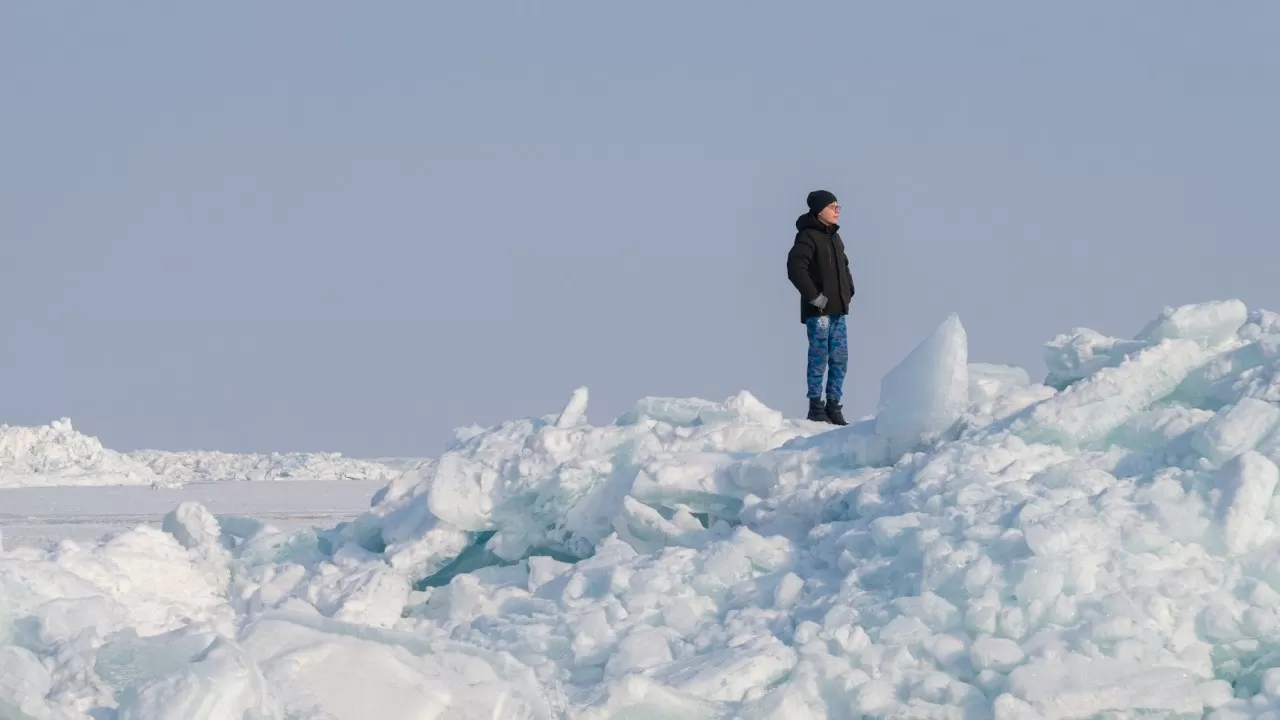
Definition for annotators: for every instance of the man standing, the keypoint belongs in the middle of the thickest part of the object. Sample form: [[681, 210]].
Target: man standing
[[818, 267]]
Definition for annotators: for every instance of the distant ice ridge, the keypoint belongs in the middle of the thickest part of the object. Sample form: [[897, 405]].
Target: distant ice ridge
[[1105, 544], [209, 466], [57, 454]]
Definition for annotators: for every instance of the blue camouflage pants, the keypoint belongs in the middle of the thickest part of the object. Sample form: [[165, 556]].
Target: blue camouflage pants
[[828, 355]]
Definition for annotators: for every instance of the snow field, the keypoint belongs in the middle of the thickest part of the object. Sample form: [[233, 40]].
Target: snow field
[[1103, 545]]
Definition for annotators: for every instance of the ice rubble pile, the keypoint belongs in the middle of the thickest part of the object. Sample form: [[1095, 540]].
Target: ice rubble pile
[[58, 454], [1102, 545]]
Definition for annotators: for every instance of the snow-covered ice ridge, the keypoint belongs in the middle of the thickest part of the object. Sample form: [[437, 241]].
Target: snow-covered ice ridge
[[57, 454], [1103, 545]]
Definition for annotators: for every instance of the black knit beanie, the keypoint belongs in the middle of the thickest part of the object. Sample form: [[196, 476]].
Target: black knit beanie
[[819, 199]]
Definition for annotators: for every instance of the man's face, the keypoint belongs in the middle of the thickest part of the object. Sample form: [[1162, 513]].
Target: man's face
[[830, 214]]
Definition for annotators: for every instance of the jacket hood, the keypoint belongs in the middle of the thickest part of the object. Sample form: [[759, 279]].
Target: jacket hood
[[809, 221]]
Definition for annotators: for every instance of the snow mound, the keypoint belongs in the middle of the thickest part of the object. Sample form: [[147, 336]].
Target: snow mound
[[1103, 544], [56, 454]]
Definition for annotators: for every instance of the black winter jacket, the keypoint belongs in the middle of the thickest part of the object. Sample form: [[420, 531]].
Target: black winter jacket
[[817, 264]]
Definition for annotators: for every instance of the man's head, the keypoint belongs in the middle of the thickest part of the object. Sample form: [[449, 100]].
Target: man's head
[[823, 205]]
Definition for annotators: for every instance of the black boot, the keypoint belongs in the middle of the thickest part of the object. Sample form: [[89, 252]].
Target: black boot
[[834, 414], [817, 411]]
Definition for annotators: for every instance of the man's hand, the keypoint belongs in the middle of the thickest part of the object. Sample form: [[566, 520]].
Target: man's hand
[[819, 302]]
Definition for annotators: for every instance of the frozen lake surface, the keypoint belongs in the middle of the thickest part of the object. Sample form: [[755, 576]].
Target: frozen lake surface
[[42, 516]]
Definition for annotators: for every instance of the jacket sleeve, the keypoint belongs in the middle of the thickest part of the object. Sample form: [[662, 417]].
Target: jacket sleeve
[[799, 261]]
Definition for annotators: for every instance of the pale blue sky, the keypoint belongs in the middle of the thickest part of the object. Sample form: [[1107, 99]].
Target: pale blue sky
[[355, 226]]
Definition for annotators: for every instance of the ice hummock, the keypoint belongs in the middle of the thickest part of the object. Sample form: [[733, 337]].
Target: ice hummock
[[1099, 544]]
